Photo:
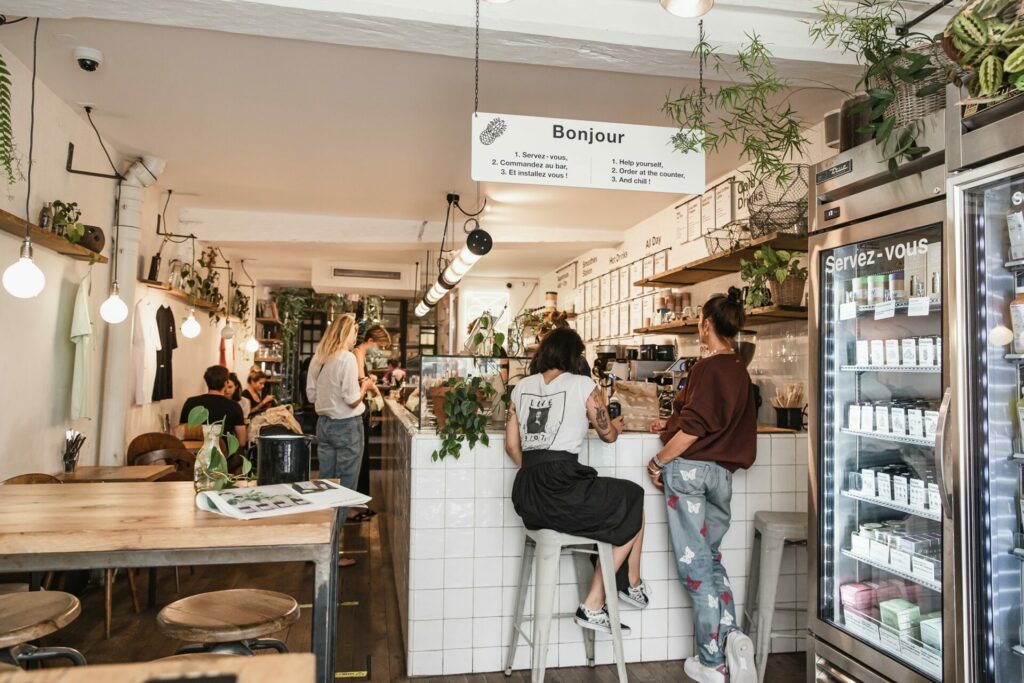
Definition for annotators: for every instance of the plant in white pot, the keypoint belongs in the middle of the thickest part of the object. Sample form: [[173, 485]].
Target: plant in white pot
[[776, 274]]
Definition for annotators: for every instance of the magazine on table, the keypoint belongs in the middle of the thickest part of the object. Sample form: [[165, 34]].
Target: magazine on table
[[256, 502]]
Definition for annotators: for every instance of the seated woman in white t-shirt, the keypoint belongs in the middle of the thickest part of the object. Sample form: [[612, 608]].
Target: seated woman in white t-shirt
[[548, 419]]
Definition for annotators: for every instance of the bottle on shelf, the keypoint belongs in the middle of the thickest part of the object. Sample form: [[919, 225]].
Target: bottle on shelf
[[46, 217]]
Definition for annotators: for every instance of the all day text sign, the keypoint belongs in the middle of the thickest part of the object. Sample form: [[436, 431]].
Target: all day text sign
[[615, 156]]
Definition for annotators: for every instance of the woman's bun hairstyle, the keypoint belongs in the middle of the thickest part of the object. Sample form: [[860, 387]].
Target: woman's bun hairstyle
[[725, 311]]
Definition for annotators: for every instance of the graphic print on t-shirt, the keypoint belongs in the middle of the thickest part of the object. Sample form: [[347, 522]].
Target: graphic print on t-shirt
[[543, 418]]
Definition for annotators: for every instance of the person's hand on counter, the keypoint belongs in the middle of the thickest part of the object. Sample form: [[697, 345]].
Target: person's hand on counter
[[658, 426]]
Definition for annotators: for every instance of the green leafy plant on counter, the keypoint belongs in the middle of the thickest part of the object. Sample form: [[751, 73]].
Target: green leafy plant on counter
[[463, 402], [893, 63], [484, 339], [987, 38], [212, 473], [65, 220], [769, 267], [9, 161], [752, 112]]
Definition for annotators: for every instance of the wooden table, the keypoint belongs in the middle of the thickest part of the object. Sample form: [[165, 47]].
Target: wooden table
[[268, 669], [157, 524], [115, 473]]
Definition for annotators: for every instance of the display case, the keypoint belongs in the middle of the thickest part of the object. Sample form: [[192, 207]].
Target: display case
[[428, 371]]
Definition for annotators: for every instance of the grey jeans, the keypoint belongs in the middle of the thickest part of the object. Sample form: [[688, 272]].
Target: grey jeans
[[339, 446], [698, 495]]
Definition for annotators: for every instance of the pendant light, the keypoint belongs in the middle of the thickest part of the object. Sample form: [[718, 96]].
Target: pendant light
[[478, 244], [688, 8], [114, 310], [24, 279], [252, 345], [191, 328], [228, 332]]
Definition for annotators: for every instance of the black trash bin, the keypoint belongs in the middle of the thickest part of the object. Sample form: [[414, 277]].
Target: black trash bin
[[282, 458]]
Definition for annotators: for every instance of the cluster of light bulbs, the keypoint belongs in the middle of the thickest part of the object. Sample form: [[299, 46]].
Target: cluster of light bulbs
[[478, 243]]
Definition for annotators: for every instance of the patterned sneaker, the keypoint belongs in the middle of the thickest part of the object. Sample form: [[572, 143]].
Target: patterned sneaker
[[739, 655], [639, 596], [596, 621], [705, 674]]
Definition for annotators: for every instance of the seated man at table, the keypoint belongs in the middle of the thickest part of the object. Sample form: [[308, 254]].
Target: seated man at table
[[219, 406]]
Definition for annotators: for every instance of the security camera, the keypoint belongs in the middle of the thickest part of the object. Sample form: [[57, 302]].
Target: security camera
[[88, 58], [508, 285]]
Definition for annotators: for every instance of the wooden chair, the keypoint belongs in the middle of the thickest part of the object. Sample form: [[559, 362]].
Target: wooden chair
[[184, 462], [108, 575], [152, 441], [229, 621], [25, 617]]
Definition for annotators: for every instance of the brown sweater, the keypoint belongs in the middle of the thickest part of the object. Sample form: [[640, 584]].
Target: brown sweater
[[717, 407]]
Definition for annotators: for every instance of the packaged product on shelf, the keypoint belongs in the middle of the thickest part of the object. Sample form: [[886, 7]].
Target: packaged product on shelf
[[1017, 312], [860, 544], [877, 288], [915, 269], [915, 421], [867, 417], [867, 487], [934, 501], [910, 351], [900, 614], [868, 529], [900, 489], [880, 548], [863, 352], [895, 524], [1015, 227], [891, 589], [853, 417], [917, 493], [931, 422], [898, 419], [892, 352], [860, 290], [927, 568], [883, 483], [938, 350], [934, 259], [897, 290], [931, 632], [877, 352], [926, 351], [857, 596], [882, 418]]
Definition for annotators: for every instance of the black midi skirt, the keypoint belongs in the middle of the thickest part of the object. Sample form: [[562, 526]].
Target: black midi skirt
[[554, 491]]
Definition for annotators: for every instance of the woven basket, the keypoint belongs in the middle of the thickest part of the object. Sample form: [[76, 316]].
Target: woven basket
[[789, 293], [906, 107], [731, 237], [780, 207]]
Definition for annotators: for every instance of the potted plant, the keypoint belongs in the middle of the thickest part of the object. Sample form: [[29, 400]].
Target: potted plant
[[775, 274], [986, 38], [65, 220], [484, 339], [211, 468], [459, 408]]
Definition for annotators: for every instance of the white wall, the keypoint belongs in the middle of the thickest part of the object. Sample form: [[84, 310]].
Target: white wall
[[522, 293]]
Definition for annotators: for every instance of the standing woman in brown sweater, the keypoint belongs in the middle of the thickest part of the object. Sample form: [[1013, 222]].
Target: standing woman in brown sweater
[[712, 432]]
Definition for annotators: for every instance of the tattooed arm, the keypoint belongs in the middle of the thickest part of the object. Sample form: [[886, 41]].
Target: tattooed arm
[[513, 445], [597, 411]]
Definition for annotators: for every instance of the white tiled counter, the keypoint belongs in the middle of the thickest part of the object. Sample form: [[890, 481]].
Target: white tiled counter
[[457, 542]]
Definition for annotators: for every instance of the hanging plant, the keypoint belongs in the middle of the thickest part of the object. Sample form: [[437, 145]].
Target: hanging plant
[[904, 75], [239, 302], [459, 406], [484, 339], [751, 112], [9, 161]]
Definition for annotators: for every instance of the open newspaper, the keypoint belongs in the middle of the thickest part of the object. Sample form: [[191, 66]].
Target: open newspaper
[[256, 502]]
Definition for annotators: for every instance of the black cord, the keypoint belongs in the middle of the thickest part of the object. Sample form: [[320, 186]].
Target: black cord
[[31, 135], [4, 21], [476, 64], [169, 237], [88, 115], [117, 234]]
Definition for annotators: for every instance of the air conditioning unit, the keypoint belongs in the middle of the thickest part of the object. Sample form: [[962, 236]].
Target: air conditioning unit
[[385, 279]]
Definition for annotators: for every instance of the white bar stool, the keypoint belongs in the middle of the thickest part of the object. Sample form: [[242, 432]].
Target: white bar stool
[[773, 532], [547, 546]]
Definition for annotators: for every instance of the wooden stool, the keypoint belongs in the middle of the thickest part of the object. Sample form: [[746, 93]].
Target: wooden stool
[[28, 616], [229, 621]]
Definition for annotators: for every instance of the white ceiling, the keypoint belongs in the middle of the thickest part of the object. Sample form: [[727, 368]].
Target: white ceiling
[[371, 139]]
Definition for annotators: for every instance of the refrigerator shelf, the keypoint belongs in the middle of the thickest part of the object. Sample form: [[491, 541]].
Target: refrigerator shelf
[[904, 647], [923, 369], [1014, 357], [934, 515], [933, 305], [1018, 650], [895, 438], [927, 583], [1017, 457]]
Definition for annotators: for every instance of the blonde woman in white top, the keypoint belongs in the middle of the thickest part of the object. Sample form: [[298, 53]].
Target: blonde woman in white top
[[333, 386]]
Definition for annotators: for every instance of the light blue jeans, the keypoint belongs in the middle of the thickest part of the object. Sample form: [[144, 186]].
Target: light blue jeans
[[339, 447], [698, 495]]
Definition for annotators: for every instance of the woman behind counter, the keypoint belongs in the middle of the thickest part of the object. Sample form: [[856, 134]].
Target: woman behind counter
[[547, 423], [712, 432], [255, 399]]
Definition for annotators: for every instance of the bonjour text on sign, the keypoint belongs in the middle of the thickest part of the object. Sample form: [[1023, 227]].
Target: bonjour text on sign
[[546, 151]]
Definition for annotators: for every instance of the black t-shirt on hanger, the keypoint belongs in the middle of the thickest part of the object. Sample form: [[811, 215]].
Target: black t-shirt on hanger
[[163, 385]]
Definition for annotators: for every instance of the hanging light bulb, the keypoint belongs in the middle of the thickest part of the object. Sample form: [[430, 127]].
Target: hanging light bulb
[[688, 8], [114, 310], [227, 332], [421, 309], [190, 328], [252, 345], [23, 278]]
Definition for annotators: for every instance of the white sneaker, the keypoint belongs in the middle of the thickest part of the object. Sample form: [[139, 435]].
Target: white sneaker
[[704, 674], [739, 655], [638, 596]]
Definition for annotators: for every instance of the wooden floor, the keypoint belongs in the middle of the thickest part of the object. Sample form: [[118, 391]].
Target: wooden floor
[[369, 635]]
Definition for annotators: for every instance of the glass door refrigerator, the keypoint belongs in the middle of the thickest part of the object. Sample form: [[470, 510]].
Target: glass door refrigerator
[[986, 277], [880, 530]]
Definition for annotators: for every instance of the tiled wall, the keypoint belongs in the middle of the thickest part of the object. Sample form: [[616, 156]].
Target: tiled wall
[[466, 542]]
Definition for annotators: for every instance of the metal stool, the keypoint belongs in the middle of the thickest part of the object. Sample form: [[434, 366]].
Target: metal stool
[[28, 616], [773, 532], [229, 621], [547, 546]]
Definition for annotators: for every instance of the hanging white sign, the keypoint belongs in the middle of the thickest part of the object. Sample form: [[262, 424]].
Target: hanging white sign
[[615, 156]]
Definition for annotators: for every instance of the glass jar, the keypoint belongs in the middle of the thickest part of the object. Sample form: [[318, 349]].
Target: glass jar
[[211, 442]]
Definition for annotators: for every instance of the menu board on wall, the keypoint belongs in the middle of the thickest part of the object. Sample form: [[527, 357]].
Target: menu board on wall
[[740, 211], [723, 204], [587, 317], [605, 322], [624, 328], [647, 312], [661, 262], [624, 285], [648, 270], [606, 289], [682, 222], [707, 213], [693, 222], [613, 297], [636, 273], [577, 301], [636, 312], [613, 320]]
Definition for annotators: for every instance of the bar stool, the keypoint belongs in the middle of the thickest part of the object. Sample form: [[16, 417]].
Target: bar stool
[[773, 532], [25, 617], [547, 546], [229, 621]]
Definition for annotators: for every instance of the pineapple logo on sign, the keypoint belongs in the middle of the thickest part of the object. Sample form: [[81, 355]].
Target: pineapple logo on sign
[[494, 130]]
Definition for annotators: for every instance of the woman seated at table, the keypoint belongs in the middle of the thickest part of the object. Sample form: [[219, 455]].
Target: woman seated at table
[[547, 424], [254, 400]]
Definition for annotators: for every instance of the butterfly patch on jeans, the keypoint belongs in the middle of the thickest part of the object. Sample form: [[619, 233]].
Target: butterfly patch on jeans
[[726, 619], [712, 601], [712, 647], [692, 508], [689, 475], [693, 584], [687, 556]]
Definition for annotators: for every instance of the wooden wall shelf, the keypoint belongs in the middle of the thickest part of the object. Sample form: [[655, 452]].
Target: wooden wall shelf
[[718, 265], [268, 321], [48, 240], [755, 318], [199, 304]]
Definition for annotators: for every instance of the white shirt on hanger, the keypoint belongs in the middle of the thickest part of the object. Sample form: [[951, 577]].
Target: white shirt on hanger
[[145, 344], [81, 336]]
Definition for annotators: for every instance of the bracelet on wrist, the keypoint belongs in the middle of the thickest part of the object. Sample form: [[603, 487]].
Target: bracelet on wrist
[[657, 463]]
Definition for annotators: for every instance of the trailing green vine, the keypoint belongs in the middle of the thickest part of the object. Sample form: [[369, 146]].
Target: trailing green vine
[[9, 161], [465, 415]]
